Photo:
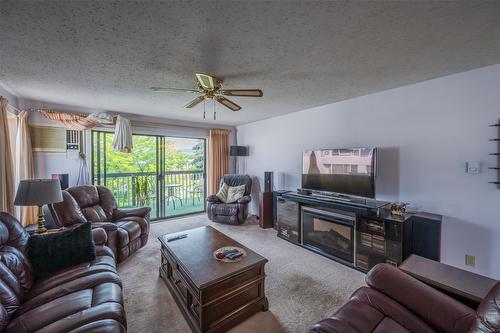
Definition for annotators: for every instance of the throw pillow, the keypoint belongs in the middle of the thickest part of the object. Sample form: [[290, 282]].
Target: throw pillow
[[54, 251], [222, 194], [235, 193]]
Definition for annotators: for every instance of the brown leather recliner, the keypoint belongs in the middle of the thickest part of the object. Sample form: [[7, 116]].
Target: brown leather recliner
[[83, 298], [127, 229], [230, 213], [396, 302]]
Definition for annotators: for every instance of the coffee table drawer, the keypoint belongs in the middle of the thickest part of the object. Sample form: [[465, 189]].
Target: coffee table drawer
[[180, 284]]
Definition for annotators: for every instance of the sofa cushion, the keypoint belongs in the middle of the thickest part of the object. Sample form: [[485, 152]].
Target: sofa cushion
[[488, 313], [222, 193], [54, 251], [371, 311], [224, 209], [235, 193], [100, 264], [67, 212], [15, 270], [95, 298]]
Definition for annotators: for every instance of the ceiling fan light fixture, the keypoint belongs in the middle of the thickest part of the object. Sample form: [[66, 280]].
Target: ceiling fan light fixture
[[211, 88]]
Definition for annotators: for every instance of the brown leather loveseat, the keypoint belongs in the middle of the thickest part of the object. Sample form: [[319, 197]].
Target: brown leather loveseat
[[395, 302], [82, 298], [127, 229]]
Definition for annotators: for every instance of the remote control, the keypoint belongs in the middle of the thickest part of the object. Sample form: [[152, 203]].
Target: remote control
[[176, 237], [234, 255], [228, 252]]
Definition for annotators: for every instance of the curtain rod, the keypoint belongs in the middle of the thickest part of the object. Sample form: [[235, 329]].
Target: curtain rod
[[10, 105], [13, 107], [135, 122], [159, 125]]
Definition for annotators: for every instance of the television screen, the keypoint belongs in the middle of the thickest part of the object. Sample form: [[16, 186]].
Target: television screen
[[347, 171]]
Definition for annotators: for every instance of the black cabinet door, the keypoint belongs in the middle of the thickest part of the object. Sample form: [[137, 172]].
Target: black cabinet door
[[287, 219]]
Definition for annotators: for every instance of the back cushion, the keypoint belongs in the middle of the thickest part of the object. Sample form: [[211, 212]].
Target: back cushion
[[85, 195], [67, 212], [16, 276], [488, 313], [89, 199]]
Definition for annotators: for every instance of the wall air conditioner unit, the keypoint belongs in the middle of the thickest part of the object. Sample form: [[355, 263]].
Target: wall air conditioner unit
[[51, 139], [73, 139]]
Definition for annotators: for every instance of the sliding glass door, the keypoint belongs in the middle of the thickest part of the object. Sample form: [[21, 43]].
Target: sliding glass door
[[165, 173]]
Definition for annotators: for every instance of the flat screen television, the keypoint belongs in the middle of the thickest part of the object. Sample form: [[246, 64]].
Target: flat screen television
[[348, 171]]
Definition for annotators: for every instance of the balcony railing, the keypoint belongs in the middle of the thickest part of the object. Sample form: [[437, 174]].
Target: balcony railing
[[187, 186]]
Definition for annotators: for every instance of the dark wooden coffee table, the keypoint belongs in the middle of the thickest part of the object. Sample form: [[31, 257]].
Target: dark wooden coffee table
[[213, 296]]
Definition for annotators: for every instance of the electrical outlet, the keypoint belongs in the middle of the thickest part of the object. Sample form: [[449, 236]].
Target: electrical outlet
[[470, 260]]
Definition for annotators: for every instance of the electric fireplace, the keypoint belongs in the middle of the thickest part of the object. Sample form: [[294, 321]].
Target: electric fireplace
[[329, 233]]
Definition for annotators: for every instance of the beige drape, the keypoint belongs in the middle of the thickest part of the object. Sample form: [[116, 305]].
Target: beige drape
[[70, 121], [6, 162], [218, 157], [24, 165]]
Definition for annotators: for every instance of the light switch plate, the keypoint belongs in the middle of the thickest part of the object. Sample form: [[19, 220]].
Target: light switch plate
[[472, 167]]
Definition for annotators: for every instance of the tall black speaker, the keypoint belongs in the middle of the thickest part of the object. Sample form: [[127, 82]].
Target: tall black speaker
[[63, 178], [268, 181], [426, 235]]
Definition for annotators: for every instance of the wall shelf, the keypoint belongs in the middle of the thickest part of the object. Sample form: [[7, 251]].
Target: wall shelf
[[497, 154]]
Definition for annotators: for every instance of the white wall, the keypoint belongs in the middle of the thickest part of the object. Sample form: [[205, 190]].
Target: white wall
[[425, 132]]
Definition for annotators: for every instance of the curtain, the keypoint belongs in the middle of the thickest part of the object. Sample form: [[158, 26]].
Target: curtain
[[218, 157], [122, 141], [6, 165], [24, 166], [70, 121]]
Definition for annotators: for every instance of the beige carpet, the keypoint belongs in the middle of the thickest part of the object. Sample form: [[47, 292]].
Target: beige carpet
[[302, 287]]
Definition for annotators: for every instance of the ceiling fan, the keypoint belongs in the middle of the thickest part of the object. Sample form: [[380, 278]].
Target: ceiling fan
[[211, 88]]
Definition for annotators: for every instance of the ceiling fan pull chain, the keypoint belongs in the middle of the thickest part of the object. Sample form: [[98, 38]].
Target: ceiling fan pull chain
[[204, 112], [215, 113]]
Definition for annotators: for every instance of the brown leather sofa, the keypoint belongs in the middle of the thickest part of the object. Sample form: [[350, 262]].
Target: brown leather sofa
[[395, 302], [127, 229], [83, 298], [232, 213]]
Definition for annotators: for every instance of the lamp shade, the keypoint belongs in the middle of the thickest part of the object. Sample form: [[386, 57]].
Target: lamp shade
[[38, 192], [238, 151]]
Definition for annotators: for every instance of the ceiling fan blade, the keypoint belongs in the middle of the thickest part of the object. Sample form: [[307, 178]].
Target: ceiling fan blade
[[194, 102], [206, 81], [242, 92], [161, 89], [227, 103]]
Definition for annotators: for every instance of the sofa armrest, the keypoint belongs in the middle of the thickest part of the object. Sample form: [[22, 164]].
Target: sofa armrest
[[245, 199], [100, 236], [439, 310], [107, 226], [121, 213], [332, 325], [213, 199]]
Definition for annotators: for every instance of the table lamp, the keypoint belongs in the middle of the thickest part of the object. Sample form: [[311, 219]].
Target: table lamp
[[38, 192]]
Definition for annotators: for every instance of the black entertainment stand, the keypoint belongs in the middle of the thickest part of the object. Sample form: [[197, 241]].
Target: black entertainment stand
[[356, 232]]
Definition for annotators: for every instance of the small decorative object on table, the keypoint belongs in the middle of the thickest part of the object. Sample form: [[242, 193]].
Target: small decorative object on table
[[398, 208], [229, 254]]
